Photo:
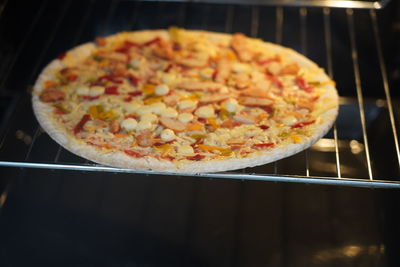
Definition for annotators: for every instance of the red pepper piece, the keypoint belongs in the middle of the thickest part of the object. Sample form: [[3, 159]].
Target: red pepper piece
[[196, 157], [112, 78], [133, 79], [72, 77], [267, 61], [264, 127], [163, 143], [263, 145], [214, 75], [79, 127], [128, 99], [202, 120], [168, 68], [90, 98], [111, 90], [303, 85], [126, 46], [135, 153], [153, 41], [302, 124], [268, 109], [133, 116], [275, 80], [135, 93], [62, 55]]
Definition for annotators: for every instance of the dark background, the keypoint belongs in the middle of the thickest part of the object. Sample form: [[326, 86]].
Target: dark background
[[69, 217]]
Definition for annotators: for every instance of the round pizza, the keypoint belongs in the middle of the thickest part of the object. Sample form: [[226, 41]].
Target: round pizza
[[184, 101]]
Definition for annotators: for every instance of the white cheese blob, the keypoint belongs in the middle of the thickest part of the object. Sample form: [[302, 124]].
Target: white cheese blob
[[167, 135], [144, 109], [289, 120], [187, 103], [240, 67], [185, 117], [205, 112], [185, 150], [170, 112], [132, 107], [168, 78], [149, 117], [231, 105], [129, 124], [162, 89], [96, 91], [224, 90], [207, 73], [135, 63], [157, 107], [274, 67], [142, 125], [83, 90]]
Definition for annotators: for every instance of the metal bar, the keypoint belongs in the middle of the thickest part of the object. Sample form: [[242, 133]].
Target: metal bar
[[229, 18], [22, 44], [133, 21], [182, 15], [303, 43], [74, 42], [255, 14], [279, 25], [41, 56], [329, 63], [357, 80], [110, 14], [278, 39], [297, 3], [49, 40], [204, 21], [272, 178], [385, 81]]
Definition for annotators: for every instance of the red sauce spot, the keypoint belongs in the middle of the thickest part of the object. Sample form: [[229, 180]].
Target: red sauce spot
[[90, 98], [153, 41], [135, 93], [302, 124], [196, 157], [134, 153], [111, 90], [264, 127], [263, 145], [72, 77], [128, 99]]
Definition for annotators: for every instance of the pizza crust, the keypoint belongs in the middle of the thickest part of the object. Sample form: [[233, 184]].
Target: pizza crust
[[119, 159]]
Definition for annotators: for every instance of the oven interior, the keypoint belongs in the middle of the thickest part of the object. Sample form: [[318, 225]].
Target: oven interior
[[333, 204]]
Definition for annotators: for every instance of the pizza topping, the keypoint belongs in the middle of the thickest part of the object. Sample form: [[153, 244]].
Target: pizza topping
[[79, 127], [167, 135], [129, 124], [205, 112], [186, 97], [52, 95], [161, 89]]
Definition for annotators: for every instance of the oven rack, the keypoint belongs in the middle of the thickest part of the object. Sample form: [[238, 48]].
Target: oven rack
[[346, 156]]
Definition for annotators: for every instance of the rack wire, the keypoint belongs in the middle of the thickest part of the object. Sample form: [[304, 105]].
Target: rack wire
[[26, 149]]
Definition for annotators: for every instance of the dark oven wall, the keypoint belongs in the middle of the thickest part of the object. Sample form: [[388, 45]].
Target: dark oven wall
[[56, 217]]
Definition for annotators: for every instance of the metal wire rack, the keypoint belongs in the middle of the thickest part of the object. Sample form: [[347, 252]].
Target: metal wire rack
[[349, 155]]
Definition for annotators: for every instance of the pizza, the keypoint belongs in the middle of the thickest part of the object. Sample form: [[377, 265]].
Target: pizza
[[184, 101]]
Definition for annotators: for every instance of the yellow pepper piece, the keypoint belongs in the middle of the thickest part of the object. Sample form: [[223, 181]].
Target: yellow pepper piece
[[152, 100], [164, 149], [211, 148], [198, 136], [213, 122], [148, 89], [230, 55], [296, 139]]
